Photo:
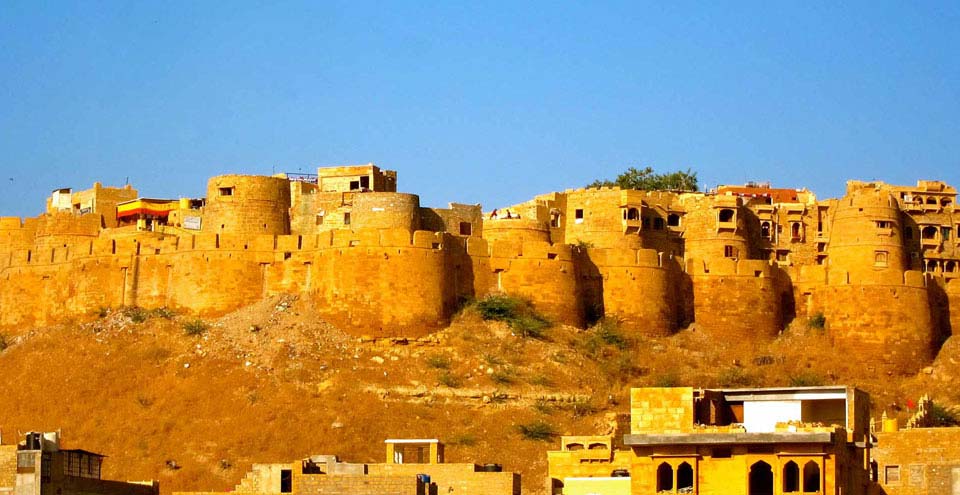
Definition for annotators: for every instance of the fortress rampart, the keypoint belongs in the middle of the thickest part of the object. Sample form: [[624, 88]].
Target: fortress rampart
[[878, 265]]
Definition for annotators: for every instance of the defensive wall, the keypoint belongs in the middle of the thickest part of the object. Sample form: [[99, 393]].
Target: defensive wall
[[878, 265]]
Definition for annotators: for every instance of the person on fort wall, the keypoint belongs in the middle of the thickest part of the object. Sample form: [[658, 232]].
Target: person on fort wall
[[493, 214]]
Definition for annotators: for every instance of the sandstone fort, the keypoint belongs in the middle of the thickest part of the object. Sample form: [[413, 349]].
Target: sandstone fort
[[875, 267]]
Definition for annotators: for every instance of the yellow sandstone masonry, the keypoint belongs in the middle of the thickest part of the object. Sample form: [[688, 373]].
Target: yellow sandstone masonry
[[875, 269]]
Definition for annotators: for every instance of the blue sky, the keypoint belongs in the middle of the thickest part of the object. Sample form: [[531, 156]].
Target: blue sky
[[475, 102]]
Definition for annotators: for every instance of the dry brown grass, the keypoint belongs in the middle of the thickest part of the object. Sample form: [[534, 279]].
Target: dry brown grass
[[272, 383]]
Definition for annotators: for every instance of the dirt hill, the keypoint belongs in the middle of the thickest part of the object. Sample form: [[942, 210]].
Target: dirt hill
[[194, 404]]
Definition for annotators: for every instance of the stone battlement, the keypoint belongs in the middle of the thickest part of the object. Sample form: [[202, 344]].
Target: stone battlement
[[375, 262]]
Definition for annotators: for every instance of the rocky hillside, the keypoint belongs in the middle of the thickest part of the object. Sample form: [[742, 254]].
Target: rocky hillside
[[193, 403]]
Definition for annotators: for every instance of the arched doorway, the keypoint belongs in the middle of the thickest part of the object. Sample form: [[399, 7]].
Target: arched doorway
[[685, 478], [791, 477], [761, 479], [664, 477], [811, 477]]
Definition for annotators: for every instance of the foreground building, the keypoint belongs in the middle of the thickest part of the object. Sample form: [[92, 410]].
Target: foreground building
[[412, 467], [767, 441], [720, 442], [38, 466]]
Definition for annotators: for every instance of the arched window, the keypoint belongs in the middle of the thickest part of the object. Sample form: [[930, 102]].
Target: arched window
[[765, 230], [929, 232], [950, 267], [684, 478], [726, 215], [931, 266], [761, 479], [795, 230], [791, 477], [811, 477], [657, 223], [931, 201], [673, 220], [664, 477], [598, 446], [574, 446], [945, 202], [633, 214]]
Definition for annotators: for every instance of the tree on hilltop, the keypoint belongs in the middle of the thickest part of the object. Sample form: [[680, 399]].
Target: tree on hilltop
[[646, 180]]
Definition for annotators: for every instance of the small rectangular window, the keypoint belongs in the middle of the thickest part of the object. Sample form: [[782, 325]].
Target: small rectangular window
[[729, 252], [880, 258], [346, 218], [466, 228], [883, 224], [782, 255], [226, 191], [891, 475], [365, 182], [286, 481], [354, 185], [945, 233], [578, 216]]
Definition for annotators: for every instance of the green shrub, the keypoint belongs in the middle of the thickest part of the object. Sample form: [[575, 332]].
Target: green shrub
[[448, 379], [817, 321], [666, 380], [517, 313], [530, 325], [499, 307], [806, 379], [464, 439], [608, 331], [941, 416], [194, 327], [537, 430], [540, 380], [136, 314], [582, 244], [543, 406], [492, 359], [582, 406], [438, 361], [164, 312], [502, 377], [735, 377]]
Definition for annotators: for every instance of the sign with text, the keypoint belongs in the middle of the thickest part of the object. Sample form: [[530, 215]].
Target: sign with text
[[191, 223]]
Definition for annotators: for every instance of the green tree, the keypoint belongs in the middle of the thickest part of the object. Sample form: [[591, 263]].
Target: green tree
[[646, 180]]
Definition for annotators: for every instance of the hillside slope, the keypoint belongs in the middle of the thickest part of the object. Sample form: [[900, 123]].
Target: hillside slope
[[274, 383]]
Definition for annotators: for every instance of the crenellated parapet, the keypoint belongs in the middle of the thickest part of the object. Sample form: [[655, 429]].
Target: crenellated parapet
[[740, 299], [880, 264], [638, 287]]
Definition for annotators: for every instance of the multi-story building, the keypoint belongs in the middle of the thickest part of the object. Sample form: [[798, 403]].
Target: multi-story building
[[730, 441], [412, 467], [39, 466]]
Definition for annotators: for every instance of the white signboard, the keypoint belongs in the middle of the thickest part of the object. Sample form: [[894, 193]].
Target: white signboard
[[191, 223]]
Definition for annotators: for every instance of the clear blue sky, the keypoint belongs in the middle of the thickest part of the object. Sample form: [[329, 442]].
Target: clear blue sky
[[471, 102]]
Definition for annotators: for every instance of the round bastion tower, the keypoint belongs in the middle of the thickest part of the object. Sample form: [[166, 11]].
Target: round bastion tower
[[715, 228], [733, 296], [866, 241], [247, 204], [873, 306]]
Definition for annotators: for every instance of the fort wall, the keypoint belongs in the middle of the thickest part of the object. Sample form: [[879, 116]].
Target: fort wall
[[247, 204], [892, 322], [736, 299], [638, 289]]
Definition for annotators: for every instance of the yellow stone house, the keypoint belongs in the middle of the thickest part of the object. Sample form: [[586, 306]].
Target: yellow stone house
[[768, 441]]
